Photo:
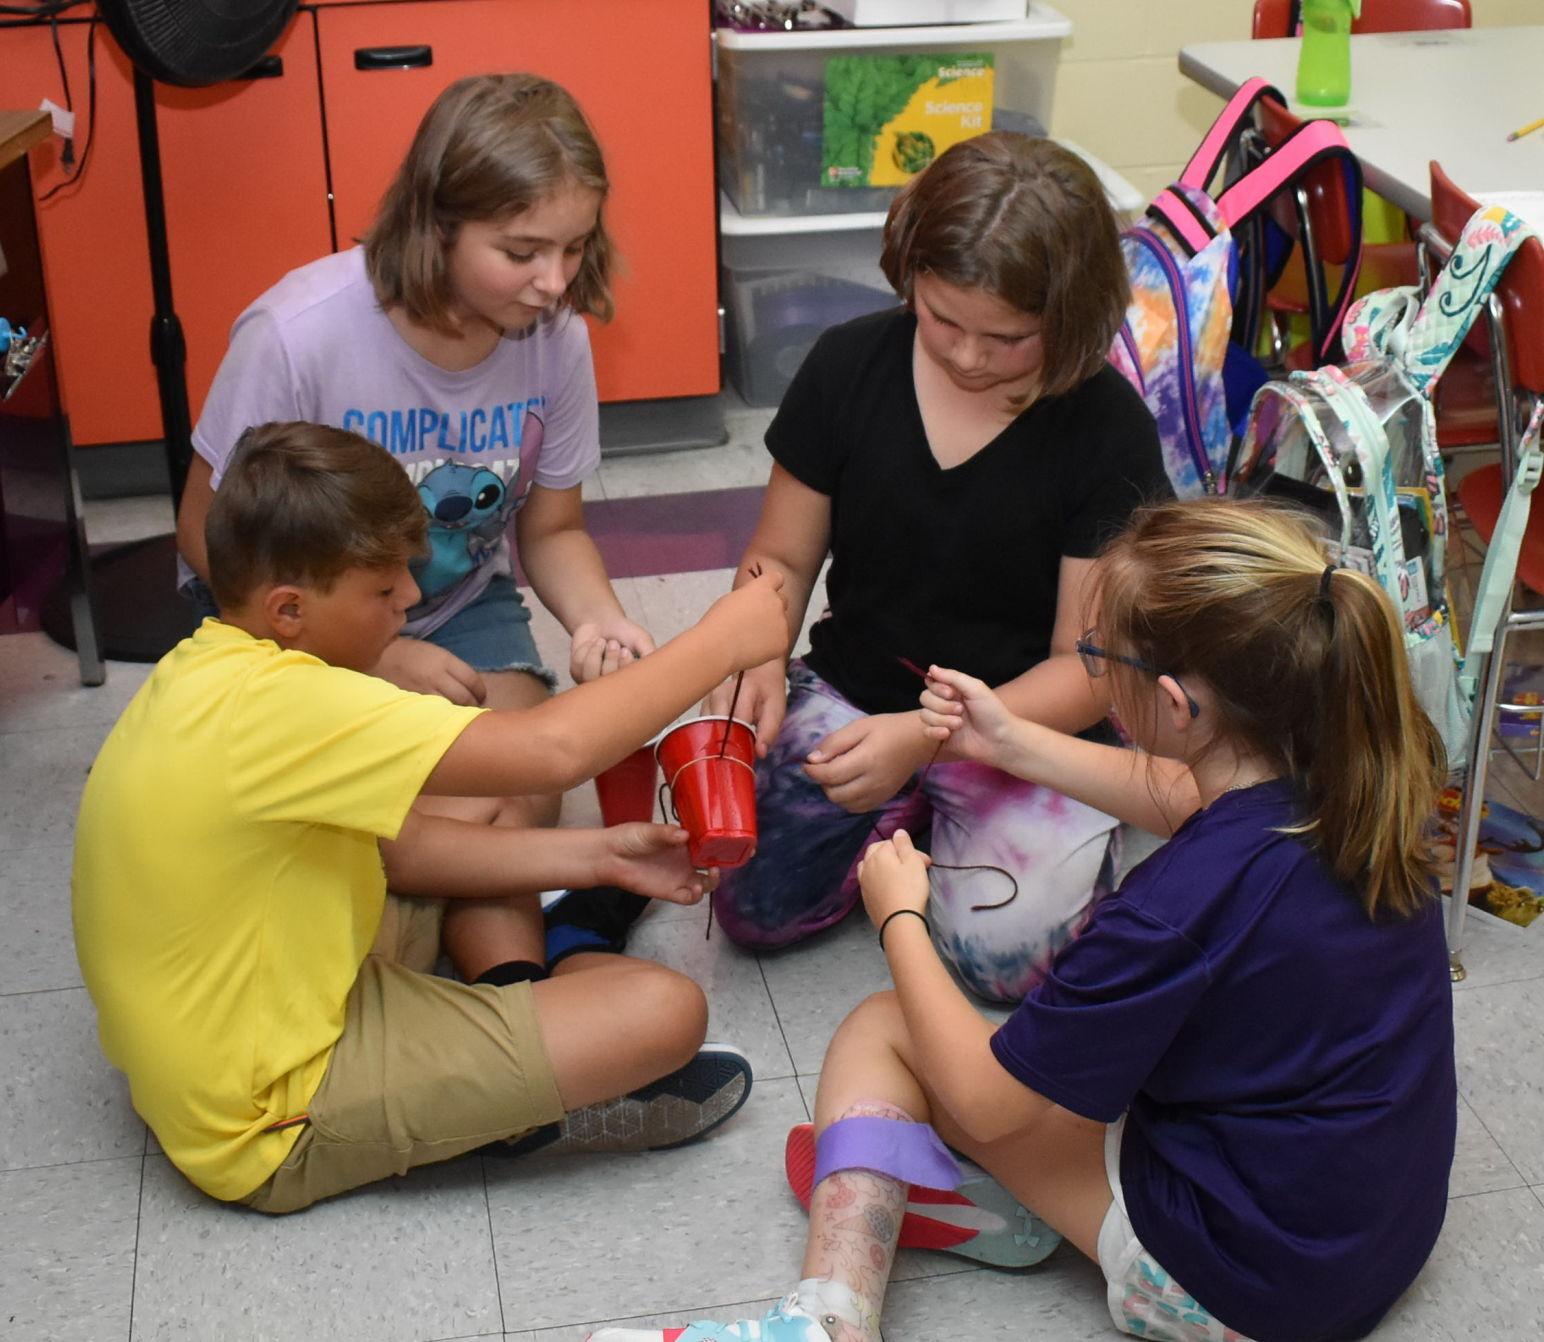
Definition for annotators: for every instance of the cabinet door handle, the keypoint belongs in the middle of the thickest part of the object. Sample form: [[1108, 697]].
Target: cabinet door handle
[[270, 67], [414, 57]]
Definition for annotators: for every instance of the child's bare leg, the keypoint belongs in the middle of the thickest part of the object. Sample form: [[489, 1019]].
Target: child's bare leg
[[479, 934], [1055, 1168], [855, 1214], [611, 1024]]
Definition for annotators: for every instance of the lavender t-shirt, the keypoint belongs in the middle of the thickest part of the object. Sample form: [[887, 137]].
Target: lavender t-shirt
[[318, 347]]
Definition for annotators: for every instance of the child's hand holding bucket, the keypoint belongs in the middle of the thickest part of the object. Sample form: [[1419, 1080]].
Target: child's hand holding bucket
[[653, 860]]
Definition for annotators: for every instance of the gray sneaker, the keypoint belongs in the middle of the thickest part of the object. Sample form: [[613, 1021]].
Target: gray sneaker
[[679, 1108]]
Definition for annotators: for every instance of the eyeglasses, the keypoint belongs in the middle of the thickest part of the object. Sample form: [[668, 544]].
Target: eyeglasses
[[1095, 657]]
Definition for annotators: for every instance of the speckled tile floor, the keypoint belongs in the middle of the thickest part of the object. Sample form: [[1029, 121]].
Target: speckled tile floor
[[100, 1239]]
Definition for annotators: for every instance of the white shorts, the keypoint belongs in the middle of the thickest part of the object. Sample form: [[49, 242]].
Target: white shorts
[[1145, 1300]]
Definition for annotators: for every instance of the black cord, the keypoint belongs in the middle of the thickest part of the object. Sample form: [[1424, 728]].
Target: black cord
[[67, 154], [91, 105]]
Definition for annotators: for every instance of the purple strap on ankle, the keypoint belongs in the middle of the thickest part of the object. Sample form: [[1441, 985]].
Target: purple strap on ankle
[[910, 1152]]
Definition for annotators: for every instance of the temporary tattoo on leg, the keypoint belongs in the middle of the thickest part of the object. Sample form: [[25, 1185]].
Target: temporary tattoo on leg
[[855, 1221]]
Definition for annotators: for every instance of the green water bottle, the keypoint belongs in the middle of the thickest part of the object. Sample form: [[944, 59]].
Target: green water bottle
[[1324, 63]]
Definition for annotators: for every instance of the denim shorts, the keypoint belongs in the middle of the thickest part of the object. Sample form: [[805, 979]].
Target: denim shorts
[[494, 633], [491, 634]]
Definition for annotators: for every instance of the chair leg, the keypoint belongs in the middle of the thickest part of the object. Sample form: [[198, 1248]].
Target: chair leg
[[1472, 802]]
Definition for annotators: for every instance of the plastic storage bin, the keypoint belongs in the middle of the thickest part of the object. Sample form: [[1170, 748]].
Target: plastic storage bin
[[782, 289], [887, 13], [772, 132], [784, 280]]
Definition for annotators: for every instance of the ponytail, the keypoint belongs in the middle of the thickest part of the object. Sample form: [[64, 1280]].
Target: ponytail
[[1307, 669], [1374, 771]]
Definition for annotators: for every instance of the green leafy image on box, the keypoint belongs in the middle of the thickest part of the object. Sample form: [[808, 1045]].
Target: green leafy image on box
[[872, 96]]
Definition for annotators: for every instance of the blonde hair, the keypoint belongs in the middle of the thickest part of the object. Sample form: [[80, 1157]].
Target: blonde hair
[[1307, 672], [490, 146], [1027, 221], [304, 503]]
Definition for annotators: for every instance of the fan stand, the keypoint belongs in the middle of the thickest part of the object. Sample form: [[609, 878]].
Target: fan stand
[[140, 615]]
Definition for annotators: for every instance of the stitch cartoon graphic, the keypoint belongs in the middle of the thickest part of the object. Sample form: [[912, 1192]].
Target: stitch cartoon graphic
[[467, 507]]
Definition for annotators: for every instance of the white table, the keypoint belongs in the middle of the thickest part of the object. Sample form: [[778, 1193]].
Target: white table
[[1450, 95]]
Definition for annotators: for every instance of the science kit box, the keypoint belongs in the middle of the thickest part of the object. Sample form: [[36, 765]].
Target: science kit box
[[887, 117], [837, 122]]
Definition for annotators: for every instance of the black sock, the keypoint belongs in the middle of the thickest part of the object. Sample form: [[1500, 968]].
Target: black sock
[[512, 971]]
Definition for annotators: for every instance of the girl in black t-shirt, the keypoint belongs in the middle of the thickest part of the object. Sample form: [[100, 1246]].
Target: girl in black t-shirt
[[960, 459]]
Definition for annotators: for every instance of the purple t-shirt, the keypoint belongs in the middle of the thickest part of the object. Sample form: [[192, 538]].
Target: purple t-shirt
[[1286, 1064], [318, 347]]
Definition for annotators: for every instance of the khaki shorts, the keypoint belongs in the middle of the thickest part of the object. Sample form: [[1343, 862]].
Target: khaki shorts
[[425, 1069]]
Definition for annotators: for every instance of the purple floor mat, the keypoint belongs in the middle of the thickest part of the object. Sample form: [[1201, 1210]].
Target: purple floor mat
[[674, 533]]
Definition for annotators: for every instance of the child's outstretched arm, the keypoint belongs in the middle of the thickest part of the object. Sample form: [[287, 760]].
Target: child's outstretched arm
[[791, 538], [952, 1038], [1145, 790], [560, 743]]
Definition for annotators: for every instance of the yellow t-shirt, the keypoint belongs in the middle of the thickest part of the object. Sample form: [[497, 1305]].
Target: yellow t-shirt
[[227, 884]]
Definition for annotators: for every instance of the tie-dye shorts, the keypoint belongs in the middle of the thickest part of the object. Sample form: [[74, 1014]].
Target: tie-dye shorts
[[1062, 854]]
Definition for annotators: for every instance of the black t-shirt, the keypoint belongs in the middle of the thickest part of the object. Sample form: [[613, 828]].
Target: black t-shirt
[[957, 566]]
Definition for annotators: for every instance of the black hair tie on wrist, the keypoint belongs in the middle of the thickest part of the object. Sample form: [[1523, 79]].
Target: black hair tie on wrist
[[890, 918]]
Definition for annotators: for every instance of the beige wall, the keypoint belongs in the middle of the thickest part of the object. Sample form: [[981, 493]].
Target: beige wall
[[1119, 92]]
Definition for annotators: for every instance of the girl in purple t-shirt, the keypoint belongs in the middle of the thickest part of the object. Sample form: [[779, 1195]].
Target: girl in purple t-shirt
[[1235, 1090]]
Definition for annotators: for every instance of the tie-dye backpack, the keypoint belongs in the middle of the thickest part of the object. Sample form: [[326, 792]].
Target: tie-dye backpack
[[1183, 259], [1357, 446]]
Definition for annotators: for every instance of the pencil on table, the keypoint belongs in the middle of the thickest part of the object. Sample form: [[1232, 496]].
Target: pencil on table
[[1525, 130]]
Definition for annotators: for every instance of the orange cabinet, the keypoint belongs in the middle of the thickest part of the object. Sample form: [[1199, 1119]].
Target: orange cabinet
[[246, 200], [641, 69], [264, 174]]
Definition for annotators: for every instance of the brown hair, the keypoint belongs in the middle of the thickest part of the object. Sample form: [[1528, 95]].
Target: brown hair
[[1315, 682], [489, 147], [1027, 221], [303, 503]]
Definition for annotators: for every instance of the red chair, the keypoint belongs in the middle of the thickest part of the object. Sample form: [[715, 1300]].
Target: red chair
[[1320, 218], [1384, 264], [1514, 326], [1279, 18]]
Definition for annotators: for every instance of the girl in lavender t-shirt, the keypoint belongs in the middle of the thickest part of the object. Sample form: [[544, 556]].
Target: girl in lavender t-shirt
[[454, 339]]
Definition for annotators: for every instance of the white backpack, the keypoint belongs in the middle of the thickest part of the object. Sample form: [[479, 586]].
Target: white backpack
[[1357, 446]]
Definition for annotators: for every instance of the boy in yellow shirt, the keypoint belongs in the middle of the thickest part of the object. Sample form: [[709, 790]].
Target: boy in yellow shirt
[[267, 998]]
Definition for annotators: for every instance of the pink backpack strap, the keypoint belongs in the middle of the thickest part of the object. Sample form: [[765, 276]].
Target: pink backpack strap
[[1170, 206], [1185, 221], [1213, 148], [1310, 142]]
